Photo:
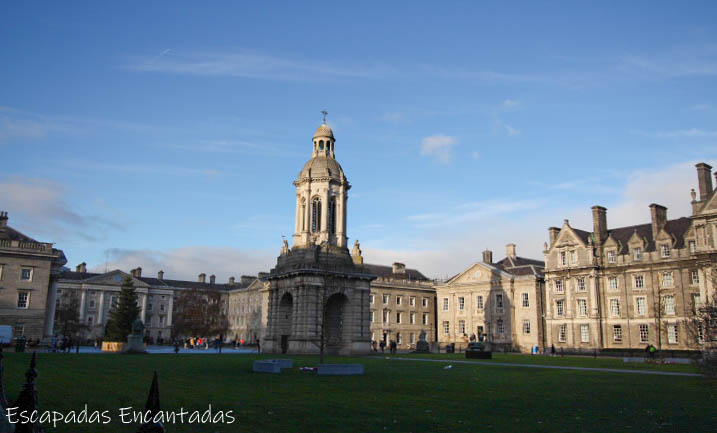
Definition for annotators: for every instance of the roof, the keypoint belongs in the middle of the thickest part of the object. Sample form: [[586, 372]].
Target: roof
[[324, 131], [677, 228], [382, 271], [322, 166], [521, 266], [582, 234], [10, 234], [156, 282]]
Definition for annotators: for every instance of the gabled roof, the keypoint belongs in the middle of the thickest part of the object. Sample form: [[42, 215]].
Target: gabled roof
[[677, 228], [10, 234], [521, 266], [387, 272]]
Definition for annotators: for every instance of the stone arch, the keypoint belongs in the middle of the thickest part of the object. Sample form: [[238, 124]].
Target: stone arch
[[337, 329], [286, 309]]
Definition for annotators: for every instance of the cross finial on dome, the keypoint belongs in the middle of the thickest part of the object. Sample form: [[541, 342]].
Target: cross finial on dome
[[324, 112]]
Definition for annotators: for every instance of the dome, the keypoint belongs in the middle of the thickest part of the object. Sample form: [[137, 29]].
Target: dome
[[322, 166], [324, 131]]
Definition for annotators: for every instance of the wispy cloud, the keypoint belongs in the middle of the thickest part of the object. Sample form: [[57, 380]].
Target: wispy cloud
[[677, 133], [395, 117], [139, 168], [511, 130], [438, 146], [700, 107], [472, 211], [247, 64]]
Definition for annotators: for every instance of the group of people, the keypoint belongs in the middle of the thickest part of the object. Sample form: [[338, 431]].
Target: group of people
[[391, 346]]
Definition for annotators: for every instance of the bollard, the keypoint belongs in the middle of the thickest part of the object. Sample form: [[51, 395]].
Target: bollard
[[152, 406]]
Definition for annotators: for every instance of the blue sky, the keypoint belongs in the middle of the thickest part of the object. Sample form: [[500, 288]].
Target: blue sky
[[167, 134]]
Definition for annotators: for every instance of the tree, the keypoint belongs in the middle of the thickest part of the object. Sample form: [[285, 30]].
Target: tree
[[67, 315], [704, 328], [119, 324], [199, 313]]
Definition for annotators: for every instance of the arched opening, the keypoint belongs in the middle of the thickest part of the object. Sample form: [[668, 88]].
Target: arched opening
[[316, 215], [286, 308], [336, 329], [332, 216], [321, 145]]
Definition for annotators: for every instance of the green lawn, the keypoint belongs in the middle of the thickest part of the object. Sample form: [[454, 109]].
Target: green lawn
[[393, 396]]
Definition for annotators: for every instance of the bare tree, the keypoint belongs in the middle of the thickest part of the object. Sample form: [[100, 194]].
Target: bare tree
[[704, 330], [67, 315], [200, 313]]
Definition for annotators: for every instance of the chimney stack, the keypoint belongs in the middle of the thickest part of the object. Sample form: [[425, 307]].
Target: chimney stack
[[263, 275], [245, 280], [212, 279], [3, 219], [160, 275], [231, 280], [659, 218], [488, 256], [600, 223], [510, 251], [399, 268], [202, 277], [553, 231], [704, 178]]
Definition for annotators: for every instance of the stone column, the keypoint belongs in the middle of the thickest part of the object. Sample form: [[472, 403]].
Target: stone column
[[297, 228], [340, 220], [325, 211], [101, 309], [50, 307], [83, 299], [144, 308], [170, 310]]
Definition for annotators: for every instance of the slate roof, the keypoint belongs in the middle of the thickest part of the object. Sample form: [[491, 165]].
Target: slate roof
[[677, 228], [8, 233], [157, 283], [521, 266], [387, 272], [582, 234]]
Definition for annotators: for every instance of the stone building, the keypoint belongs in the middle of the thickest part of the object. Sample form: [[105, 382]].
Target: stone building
[[627, 287], [28, 278], [402, 303], [318, 295], [500, 303]]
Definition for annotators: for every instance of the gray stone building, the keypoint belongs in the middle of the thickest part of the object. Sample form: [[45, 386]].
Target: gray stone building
[[28, 278]]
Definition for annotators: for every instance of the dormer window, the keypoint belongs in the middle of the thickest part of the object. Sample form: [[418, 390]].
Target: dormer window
[[664, 251], [563, 258], [637, 253], [611, 256], [573, 257], [693, 247]]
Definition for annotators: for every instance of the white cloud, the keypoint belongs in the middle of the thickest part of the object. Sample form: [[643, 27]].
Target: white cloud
[[700, 107], [394, 117], [677, 133], [439, 146], [509, 104], [511, 131], [475, 154]]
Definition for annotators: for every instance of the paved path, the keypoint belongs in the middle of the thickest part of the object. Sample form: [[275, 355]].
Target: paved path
[[165, 349], [554, 367]]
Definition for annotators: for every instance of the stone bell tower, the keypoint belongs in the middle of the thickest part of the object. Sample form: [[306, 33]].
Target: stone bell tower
[[318, 294]]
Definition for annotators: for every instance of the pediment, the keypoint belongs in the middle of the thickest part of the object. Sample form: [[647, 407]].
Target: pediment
[[709, 207], [663, 236], [636, 240], [114, 278], [567, 237], [478, 273], [610, 242]]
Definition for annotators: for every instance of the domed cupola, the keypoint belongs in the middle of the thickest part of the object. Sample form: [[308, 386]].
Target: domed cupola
[[323, 142]]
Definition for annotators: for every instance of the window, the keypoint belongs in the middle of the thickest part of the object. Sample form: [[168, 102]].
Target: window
[[637, 254], [584, 333], [695, 302], [573, 257], [461, 326], [113, 301], [398, 300], [670, 304], [560, 307], [615, 307], [639, 281], [562, 333], [26, 274], [372, 316], [412, 338], [526, 300], [582, 307], [563, 258], [425, 319], [446, 327], [612, 283], [371, 298], [461, 303], [90, 319], [92, 303], [641, 305], [316, 215], [667, 279], [694, 278], [500, 329], [412, 301], [581, 284], [385, 299], [479, 302], [644, 334], [398, 317], [161, 320], [672, 334], [331, 217], [693, 246], [499, 301], [445, 304], [18, 330], [1, 274], [149, 307], [23, 299], [611, 256], [526, 327], [425, 302], [385, 316], [412, 318], [700, 333], [617, 333], [664, 251], [559, 286]]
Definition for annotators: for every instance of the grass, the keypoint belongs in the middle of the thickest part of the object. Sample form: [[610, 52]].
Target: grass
[[393, 396]]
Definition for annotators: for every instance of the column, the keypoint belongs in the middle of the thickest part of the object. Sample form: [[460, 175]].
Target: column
[[83, 299], [144, 308], [170, 309], [101, 310], [340, 220], [297, 228], [50, 307], [325, 211]]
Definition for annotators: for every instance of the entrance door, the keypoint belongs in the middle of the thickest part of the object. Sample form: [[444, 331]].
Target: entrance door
[[284, 343]]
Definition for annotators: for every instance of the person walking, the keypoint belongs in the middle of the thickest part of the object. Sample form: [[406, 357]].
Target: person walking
[[382, 345], [552, 350]]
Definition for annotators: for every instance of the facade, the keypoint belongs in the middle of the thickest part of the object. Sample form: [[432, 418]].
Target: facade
[[318, 294], [402, 303], [629, 287], [499, 303], [28, 279]]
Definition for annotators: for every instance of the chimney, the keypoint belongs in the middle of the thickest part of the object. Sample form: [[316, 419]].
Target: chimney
[[202, 277], [3, 219], [488, 256], [245, 280], [83, 267], [138, 271], [133, 272], [160, 275], [231, 280], [704, 178], [600, 223], [263, 275], [399, 268], [212, 279], [553, 231], [510, 251], [659, 218]]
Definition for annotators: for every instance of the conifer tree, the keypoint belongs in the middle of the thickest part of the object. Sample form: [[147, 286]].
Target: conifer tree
[[119, 324]]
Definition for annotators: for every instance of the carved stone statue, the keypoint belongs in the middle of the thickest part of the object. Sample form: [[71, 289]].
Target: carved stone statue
[[422, 345], [135, 340], [285, 247], [422, 335], [356, 253], [137, 327]]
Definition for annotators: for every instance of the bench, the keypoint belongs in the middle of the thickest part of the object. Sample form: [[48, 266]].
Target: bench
[[340, 369], [266, 367]]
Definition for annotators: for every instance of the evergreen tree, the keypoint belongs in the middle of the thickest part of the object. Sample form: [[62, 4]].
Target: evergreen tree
[[119, 324]]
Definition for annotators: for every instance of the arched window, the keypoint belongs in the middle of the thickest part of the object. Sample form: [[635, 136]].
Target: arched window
[[316, 215], [321, 145], [332, 216]]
